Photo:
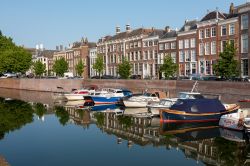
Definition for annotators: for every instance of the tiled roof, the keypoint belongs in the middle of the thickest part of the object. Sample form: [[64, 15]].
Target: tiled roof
[[212, 15], [47, 53], [190, 25], [170, 34], [157, 32]]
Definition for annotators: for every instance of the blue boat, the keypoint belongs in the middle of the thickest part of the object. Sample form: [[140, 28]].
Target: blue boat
[[105, 99], [196, 110]]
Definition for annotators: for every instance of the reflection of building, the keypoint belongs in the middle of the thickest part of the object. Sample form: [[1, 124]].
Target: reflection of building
[[3, 162], [79, 117]]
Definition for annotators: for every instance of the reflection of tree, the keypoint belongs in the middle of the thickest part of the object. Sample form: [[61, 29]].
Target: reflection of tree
[[40, 110], [100, 118], [13, 115], [62, 114], [125, 120], [80, 113], [226, 151]]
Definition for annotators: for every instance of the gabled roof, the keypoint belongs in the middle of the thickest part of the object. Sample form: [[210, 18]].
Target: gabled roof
[[46, 53], [189, 25], [212, 15], [157, 32]]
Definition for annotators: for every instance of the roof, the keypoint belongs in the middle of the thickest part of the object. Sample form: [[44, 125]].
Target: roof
[[189, 25], [46, 53], [170, 34], [157, 32], [213, 15]]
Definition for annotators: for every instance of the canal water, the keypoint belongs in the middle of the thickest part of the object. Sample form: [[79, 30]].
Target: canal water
[[36, 130]]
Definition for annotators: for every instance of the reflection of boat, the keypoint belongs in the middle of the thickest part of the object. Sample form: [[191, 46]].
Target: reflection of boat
[[196, 110], [74, 103], [232, 135], [133, 111], [104, 107], [175, 128]]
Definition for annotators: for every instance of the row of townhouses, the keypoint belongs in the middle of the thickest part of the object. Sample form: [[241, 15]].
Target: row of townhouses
[[195, 47]]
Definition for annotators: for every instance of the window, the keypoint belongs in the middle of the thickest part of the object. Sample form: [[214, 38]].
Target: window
[[173, 45], [151, 54], [161, 46], [193, 55], [244, 21], [145, 44], [244, 67], [139, 44], [182, 56], [173, 56], [207, 48], [231, 29], [186, 43], [208, 67], [187, 68], [167, 46], [213, 33], [187, 56], [223, 45], [180, 44], [244, 43], [201, 49], [201, 34], [192, 43], [155, 42], [213, 47], [207, 33], [150, 43], [193, 68], [223, 30]]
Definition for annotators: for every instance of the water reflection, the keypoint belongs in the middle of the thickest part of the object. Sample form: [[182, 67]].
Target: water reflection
[[13, 115], [202, 142]]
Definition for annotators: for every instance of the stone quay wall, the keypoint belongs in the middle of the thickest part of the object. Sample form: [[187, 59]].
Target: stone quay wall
[[228, 90]]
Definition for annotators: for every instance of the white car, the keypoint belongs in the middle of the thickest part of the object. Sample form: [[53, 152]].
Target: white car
[[9, 75]]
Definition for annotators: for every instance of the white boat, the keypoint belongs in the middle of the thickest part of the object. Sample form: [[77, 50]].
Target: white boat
[[141, 101], [236, 121], [134, 111], [78, 94]]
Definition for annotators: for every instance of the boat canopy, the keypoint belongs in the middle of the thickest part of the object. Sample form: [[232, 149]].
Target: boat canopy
[[198, 105]]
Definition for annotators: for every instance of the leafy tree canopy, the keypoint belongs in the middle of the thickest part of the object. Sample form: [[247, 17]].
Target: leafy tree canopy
[[60, 67], [227, 66], [169, 68], [99, 65], [124, 69], [13, 58], [80, 68], [39, 68]]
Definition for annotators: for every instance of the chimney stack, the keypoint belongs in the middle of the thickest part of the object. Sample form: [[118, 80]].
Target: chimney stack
[[128, 28], [231, 10], [117, 29], [167, 29]]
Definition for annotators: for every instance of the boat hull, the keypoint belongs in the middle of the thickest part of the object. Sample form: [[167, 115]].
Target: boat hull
[[74, 96], [231, 121], [105, 100], [169, 116]]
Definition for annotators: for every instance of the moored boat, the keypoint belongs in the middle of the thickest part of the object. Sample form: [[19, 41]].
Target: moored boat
[[196, 110]]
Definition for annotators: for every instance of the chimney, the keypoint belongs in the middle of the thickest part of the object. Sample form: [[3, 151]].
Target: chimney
[[117, 29], [217, 13], [167, 29], [128, 28], [231, 10]]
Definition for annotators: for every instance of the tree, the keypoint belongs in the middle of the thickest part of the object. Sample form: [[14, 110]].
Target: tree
[[13, 58], [98, 65], [227, 66], [80, 68], [124, 69], [39, 68], [169, 68], [60, 67]]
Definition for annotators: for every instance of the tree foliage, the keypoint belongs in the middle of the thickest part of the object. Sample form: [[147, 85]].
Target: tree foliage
[[39, 68], [60, 67], [99, 65], [124, 69], [227, 66], [13, 58], [169, 68], [80, 68]]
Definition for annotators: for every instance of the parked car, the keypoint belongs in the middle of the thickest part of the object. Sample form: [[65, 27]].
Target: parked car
[[9, 75], [108, 77], [95, 77], [135, 77]]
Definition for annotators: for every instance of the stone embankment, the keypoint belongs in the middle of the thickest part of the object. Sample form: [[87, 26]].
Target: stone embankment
[[229, 90]]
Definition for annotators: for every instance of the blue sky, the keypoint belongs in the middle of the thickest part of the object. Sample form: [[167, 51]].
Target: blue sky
[[55, 22]]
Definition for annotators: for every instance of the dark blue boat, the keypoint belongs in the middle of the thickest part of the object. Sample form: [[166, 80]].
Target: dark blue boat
[[104, 107], [196, 110]]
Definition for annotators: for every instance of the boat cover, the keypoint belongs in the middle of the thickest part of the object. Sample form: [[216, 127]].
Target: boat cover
[[198, 106]]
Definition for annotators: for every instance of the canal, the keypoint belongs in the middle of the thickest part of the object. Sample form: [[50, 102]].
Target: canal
[[37, 130]]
